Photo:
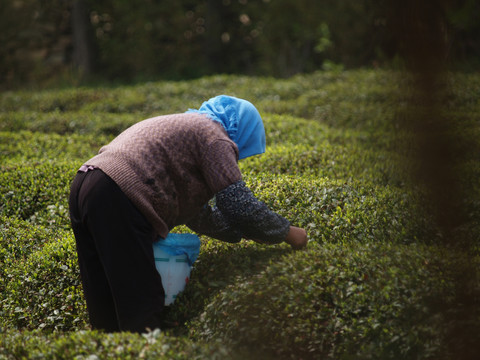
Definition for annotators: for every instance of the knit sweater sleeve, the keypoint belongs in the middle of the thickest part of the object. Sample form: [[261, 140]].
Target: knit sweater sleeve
[[219, 165], [239, 214]]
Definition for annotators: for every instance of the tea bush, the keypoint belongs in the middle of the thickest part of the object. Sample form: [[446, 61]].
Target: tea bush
[[47, 146], [365, 301], [68, 122], [90, 345], [217, 266], [329, 97], [43, 291], [37, 192], [328, 160], [330, 210], [19, 239]]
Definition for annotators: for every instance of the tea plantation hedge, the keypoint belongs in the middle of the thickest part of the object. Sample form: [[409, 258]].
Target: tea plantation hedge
[[332, 301], [376, 281]]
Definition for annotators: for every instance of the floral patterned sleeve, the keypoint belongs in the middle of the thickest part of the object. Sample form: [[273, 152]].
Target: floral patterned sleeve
[[239, 214], [211, 222]]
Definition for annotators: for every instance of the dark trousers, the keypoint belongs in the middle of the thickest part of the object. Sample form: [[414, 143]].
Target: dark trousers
[[122, 287]]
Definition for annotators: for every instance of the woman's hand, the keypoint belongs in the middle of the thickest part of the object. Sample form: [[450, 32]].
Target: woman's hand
[[297, 238]]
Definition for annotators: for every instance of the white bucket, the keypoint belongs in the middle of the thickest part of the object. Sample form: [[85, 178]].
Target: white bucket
[[175, 273]]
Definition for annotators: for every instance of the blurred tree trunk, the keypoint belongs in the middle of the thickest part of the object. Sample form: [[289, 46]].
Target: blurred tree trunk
[[421, 28], [84, 54], [213, 23]]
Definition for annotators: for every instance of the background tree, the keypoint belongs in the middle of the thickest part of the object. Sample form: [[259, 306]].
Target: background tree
[[123, 40], [84, 52]]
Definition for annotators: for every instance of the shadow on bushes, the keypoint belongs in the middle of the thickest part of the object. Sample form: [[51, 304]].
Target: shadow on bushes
[[381, 301], [218, 265]]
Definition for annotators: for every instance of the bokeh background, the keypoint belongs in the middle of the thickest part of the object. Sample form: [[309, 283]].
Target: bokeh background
[[44, 42]]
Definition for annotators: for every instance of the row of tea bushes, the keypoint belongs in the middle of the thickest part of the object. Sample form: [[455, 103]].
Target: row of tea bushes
[[362, 301], [38, 193], [67, 122], [34, 147], [300, 95], [332, 211], [359, 99], [348, 162], [280, 128], [91, 345]]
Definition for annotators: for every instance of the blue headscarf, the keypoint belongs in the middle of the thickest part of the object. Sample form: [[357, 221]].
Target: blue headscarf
[[240, 119]]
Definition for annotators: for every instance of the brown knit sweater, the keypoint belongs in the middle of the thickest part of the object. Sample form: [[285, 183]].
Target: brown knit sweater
[[170, 166]]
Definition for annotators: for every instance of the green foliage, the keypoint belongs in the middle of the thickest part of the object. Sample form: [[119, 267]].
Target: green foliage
[[18, 239], [64, 122], [47, 146], [335, 211], [218, 265], [43, 291], [359, 100], [364, 301], [37, 192], [325, 159], [90, 345], [373, 283]]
